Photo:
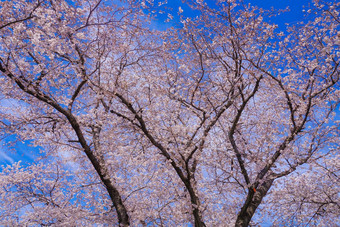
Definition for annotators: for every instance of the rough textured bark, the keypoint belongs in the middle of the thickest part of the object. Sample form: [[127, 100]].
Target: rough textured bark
[[195, 205], [254, 199]]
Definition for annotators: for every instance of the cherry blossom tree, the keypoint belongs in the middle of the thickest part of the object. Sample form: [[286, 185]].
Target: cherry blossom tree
[[219, 121], [47, 194]]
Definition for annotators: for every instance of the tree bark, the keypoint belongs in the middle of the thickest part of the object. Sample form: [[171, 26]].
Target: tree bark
[[254, 199], [123, 217], [195, 203]]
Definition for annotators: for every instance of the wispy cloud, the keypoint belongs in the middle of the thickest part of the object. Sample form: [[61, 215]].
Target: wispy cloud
[[5, 158], [12, 106]]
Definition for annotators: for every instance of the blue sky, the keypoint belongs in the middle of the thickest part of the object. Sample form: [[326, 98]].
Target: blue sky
[[293, 15], [13, 151]]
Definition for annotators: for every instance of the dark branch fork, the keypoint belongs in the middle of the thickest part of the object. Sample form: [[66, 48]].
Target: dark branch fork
[[101, 170]]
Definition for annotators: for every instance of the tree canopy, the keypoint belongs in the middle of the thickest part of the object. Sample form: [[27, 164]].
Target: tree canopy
[[220, 120]]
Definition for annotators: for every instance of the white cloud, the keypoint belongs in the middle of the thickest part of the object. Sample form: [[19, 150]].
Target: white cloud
[[5, 158], [12, 106]]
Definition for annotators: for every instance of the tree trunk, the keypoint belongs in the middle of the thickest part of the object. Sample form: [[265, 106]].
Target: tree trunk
[[123, 217], [253, 200]]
